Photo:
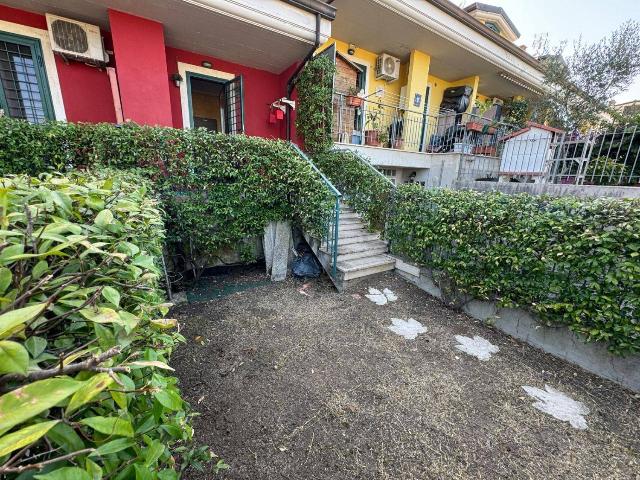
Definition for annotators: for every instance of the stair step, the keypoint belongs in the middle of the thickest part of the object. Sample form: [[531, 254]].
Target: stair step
[[349, 215], [363, 267], [360, 250], [363, 237], [354, 232], [351, 226]]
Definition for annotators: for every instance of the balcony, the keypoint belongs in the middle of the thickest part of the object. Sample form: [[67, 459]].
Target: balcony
[[395, 136]]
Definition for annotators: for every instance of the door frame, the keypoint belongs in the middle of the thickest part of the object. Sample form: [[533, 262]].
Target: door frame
[[186, 71], [48, 62]]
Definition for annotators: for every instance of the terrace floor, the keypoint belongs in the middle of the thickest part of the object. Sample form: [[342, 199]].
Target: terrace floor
[[298, 382]]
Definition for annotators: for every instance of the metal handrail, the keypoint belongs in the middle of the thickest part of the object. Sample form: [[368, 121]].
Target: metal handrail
[[370, 165], [331, 230]]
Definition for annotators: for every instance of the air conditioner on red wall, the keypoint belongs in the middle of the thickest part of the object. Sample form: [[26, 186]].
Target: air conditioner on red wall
[[76, 40]]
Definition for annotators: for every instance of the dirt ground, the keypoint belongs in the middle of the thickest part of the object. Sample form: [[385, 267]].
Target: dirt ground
[[308, 383]]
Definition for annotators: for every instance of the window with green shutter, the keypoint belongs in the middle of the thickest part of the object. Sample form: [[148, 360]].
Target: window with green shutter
[[24, 91]]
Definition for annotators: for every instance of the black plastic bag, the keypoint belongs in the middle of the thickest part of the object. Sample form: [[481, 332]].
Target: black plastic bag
[[306, 266]]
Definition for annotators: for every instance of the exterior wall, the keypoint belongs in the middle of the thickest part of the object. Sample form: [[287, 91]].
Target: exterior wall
[[142, 69], [417, 79], [143, 65], [555, 190], [345, 79], [86, 90]]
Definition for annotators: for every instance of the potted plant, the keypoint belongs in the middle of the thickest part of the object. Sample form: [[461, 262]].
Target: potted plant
[[354, 97], [475, 125], [372, 134]]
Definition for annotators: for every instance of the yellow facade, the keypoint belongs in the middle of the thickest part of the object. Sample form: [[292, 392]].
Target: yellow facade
[[414, 74]]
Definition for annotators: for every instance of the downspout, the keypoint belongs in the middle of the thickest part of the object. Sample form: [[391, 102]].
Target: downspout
[[291, 83]]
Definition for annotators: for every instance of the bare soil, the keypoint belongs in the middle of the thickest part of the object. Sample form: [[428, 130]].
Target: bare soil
[[308, 383]]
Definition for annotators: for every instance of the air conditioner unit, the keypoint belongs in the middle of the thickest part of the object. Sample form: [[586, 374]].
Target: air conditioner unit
[[77, 40], [387, 67]]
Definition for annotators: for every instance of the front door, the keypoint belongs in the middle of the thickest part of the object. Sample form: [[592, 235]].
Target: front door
[[215, 104]]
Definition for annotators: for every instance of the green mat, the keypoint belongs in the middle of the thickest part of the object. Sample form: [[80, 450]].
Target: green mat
[[220, 286]]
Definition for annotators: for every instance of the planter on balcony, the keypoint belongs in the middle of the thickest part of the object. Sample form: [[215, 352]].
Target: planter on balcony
[[354, 101], [488, 150], [398, 144], [480, 128], [372, 138]]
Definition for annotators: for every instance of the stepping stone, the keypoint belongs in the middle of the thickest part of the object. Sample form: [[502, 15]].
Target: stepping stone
[[381, 297], [477, 346], [559, 405], [409, 329]]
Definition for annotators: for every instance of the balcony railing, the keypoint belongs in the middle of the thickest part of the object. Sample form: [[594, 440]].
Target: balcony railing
[[361, 121]]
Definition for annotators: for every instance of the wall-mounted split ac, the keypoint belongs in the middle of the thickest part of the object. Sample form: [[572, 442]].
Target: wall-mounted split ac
[[76, 40], [387, 67]]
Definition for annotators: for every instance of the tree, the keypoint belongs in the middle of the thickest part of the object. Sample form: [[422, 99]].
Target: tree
[[582, 82]]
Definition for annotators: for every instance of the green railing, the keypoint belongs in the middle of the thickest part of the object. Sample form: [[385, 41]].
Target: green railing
[[369, 164], [330, 239]]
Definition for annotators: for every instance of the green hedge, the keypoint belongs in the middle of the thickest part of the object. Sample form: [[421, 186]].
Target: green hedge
[[83, 343], [216, 189], [571, 261], [365, 190]]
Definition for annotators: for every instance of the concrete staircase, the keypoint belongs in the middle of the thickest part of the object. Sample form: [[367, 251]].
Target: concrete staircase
[[361, 253]]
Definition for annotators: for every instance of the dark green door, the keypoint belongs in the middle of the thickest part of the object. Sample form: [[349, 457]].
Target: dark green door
[[24, 91], [234, 106]]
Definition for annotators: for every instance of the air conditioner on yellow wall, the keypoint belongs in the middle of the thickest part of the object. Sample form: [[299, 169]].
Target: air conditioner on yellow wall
[[76, 40], [387, 67]]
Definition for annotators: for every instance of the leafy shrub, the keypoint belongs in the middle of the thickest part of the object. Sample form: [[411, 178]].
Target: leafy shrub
[[366, 191], [571, 261], [216, 189], [314, 118], [605, 171], [83, 341]]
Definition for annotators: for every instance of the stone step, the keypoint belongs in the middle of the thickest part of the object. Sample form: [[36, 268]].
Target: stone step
[[362, 237], [349, 216], [361, 250], [363, 267], [349, 221], [353, 232], [351, 226]]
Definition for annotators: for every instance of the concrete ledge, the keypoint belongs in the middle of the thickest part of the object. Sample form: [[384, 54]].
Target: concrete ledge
[[555, 190], [521, 324]]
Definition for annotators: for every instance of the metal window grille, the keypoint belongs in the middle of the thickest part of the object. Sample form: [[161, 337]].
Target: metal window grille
[[23, 93]]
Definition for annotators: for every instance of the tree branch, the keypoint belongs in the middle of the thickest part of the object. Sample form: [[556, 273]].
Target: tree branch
[[40, 465], [92, 364]]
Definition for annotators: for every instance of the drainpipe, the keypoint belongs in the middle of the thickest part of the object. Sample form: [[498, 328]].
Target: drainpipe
[[294, 78], [115, 93]]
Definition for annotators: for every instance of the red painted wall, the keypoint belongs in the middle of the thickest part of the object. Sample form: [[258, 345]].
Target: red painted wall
[[261, 88], [141, 64], [86, 92]]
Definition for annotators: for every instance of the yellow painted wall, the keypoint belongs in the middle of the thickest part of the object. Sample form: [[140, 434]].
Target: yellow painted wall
[[417, 79]]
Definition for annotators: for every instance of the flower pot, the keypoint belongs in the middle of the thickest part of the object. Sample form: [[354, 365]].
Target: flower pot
[[372, 138], [354, 101], [488, 150], [398, 144], [480, 128]]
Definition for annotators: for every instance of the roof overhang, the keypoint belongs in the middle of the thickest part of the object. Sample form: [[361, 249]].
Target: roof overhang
[[270, 34], [458, 44]]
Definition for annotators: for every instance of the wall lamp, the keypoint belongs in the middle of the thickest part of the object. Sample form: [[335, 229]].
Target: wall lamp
[[177, 79], [352, 49]]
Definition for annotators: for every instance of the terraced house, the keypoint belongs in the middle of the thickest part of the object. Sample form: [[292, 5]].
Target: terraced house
[[419, 88], [421, 84]]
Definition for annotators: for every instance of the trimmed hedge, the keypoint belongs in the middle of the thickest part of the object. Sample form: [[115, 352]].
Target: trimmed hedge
[[216, 189], [571, 261], [82, 333], [365, 191]]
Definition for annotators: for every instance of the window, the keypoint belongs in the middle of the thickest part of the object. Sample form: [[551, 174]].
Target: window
[[493, 26], [24, 91], [390, 173]]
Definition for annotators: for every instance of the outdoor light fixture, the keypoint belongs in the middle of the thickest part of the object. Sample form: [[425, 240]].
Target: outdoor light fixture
[[206, 64], [352, 49], [176, 78]]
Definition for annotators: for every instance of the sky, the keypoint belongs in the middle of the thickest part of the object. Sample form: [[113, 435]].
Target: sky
[[568, 20]]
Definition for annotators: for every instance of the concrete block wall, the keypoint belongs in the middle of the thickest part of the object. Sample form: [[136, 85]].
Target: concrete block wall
[[523, 325]]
